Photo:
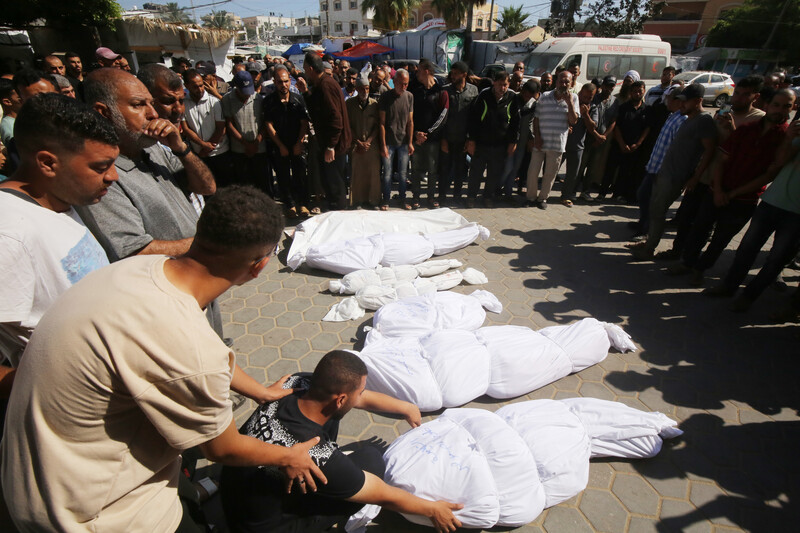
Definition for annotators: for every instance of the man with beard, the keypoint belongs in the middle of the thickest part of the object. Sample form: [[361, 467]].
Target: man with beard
[[147, 210], [349, 81], [255, 499], [546, 82]]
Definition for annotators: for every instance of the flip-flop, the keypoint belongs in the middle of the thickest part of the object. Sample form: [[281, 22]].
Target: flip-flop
[[384, 207], [316, 211], [407, 207]]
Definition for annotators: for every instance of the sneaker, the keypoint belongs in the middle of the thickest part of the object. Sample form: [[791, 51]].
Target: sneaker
[[718, 291], [541, 204], [678, 269]]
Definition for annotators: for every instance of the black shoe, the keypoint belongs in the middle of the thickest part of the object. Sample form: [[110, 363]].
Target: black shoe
[[542, 204]]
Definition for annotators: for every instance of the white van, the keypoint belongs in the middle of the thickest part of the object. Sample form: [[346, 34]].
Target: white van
[[599, 57]]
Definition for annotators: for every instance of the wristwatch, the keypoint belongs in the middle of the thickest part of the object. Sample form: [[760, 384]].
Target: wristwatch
[[183, 153]]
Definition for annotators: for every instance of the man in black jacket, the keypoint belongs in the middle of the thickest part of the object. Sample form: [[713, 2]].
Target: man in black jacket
[[493, 133]]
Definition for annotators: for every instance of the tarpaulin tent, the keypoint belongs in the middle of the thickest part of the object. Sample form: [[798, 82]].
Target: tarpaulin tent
[[300, 48], [363, 50]]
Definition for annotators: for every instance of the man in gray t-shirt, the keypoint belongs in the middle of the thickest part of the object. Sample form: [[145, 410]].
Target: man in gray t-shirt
[[147, 211], [396, 111], [687, 158]]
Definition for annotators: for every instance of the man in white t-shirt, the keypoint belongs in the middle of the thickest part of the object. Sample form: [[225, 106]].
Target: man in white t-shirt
[[124, 373], [67, 153], [204, 126]]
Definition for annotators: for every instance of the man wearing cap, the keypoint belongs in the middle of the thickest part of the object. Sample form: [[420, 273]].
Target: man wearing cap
[[665, 136], [453, 156], [286, 121], [329, 117], [655, 93], [687, 157], [627, 155], [244, 115], [106, 57], [364, 117]]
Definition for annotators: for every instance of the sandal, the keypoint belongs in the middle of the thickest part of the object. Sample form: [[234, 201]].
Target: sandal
[[385, 207], [566, 202], [292, 212], [315, 211], [304, 211], [407, 207], [415, 205]]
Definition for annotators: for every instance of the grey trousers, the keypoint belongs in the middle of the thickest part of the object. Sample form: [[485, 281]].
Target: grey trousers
[[666, 189]]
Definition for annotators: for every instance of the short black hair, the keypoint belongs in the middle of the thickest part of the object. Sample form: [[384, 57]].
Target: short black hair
[[532, 86], [189, 74], [754, 82], [639, 83], [54, 121], [500, 75], [460, 66], [28, 76], [669, 69], [352, 72], [313, 60], [6, 88], [153, 73], [338, 372], [239, 217], [71, 54]]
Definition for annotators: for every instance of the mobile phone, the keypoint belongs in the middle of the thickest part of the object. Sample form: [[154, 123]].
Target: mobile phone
[[724, 110]]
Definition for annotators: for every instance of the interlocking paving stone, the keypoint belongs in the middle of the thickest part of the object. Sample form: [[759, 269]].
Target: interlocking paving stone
[[728, 379]]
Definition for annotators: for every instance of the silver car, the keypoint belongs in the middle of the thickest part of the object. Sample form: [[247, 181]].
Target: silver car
[[719, 86]]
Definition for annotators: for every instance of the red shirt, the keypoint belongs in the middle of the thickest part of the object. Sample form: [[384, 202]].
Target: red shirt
[[749, 154]]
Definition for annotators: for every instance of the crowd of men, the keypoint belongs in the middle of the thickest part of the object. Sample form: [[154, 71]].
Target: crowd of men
[[116, 243]]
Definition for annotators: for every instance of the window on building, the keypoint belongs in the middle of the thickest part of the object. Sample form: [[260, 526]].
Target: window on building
[[324, 29], [427, 16], [353, 4], [365, 27], [337, 27], [337, 5], [412, 21], [323, 6], [479, 25], [353, 27]]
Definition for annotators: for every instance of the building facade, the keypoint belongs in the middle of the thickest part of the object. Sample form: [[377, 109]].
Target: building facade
[[343, 18], [685, 23]]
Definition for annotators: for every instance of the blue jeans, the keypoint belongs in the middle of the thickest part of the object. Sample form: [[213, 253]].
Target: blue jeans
[[766, 220], [402, 167], [511, 170]]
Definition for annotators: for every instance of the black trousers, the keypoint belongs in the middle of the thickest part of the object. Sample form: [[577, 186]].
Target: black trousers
[[291, 173], [333, 180], [255, 502]]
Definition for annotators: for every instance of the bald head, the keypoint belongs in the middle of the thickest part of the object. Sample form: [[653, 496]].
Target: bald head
[[53, 65], [103, 85]]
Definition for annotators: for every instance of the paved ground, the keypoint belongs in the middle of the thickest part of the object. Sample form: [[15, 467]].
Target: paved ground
[[729, 379]]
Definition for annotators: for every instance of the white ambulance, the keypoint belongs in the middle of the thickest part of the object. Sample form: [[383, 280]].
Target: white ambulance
[[599, 57]]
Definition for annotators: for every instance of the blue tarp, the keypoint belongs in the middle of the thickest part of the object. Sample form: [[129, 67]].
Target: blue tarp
[[296, 49]]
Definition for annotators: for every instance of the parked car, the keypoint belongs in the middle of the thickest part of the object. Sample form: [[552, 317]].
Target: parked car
[[719, 86]]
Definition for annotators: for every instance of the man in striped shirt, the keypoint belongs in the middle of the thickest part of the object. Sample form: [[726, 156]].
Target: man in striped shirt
[[556, 111], [665, 137]]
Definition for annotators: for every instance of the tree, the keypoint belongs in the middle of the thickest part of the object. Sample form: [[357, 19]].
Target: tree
[[749, 25], [389, 14], [217, 20], [21, 14], [512, 20], [607, 18], [455, 11], [174, 13]]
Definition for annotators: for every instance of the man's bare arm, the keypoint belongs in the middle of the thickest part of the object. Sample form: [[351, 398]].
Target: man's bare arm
[[234, 449], [171, 248], [377, 402], [199, 178], [440, 513]]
